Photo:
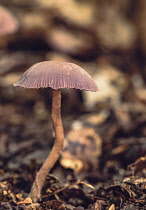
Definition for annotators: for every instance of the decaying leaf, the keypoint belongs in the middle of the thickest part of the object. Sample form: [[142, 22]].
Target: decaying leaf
[[81, 150]]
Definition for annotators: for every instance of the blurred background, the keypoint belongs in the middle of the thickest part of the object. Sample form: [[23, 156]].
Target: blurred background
[[105, 131]]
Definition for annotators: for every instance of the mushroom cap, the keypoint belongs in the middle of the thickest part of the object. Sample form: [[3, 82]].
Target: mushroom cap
[[56, 74], [8, 22]]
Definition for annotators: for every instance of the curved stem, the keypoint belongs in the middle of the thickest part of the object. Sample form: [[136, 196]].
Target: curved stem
[[37, 186]]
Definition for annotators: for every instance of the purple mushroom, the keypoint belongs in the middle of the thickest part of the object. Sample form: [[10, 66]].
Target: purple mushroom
[[8, 22], [56, 75]]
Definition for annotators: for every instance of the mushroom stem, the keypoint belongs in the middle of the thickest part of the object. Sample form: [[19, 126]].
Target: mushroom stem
[[38, 183]]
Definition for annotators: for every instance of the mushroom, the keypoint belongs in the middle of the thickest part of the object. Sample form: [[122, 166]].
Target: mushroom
[[8, 22], [56, 75]]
